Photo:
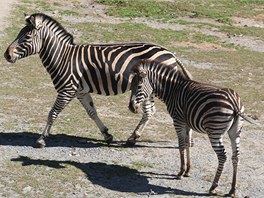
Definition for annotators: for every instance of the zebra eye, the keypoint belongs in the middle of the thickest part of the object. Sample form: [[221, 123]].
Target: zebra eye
[[140, 80]]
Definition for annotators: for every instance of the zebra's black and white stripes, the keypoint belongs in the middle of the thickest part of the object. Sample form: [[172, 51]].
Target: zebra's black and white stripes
[[192, 106], [78, 70]]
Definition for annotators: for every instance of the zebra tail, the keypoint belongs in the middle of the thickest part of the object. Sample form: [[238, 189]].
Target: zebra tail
[[248, 118], [184, 70]]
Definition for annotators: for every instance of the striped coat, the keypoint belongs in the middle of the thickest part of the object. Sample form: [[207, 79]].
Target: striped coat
[[78, 70]]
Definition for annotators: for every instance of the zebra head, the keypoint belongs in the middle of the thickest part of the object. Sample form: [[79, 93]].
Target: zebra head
[[28, 41], [141, 88]]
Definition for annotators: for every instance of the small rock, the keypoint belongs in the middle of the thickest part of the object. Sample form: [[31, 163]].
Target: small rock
[[27, 189]]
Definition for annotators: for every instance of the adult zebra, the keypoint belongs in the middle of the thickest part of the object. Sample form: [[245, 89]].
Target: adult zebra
[[193, 106], [78, 70]]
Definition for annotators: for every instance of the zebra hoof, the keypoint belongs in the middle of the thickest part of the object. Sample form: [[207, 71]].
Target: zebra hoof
[[130, 143], [178, 177], [109, 139], [232, 193], [40, 143]]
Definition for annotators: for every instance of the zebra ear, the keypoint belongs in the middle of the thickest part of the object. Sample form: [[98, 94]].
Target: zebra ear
[[26, 16], [36, 22]]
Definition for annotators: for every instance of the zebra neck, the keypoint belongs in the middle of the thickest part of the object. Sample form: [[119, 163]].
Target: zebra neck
[[54, 53], [57, 59]]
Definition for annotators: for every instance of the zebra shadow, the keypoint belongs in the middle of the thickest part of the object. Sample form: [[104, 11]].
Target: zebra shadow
[[56, 140], [112, 176], [64, 140]]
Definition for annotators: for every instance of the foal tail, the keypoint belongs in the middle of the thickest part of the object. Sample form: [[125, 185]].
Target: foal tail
[[248, 118]]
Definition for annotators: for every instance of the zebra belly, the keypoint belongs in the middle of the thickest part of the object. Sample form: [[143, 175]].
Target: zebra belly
[[112, 85]]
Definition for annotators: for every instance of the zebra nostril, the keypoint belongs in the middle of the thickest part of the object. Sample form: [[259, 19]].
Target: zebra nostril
[[7, 56]]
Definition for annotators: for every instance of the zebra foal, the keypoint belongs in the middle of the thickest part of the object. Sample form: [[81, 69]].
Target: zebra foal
[[193, 106], [78, 70]]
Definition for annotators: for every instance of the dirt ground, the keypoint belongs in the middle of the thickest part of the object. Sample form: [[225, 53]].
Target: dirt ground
[[111, 171]]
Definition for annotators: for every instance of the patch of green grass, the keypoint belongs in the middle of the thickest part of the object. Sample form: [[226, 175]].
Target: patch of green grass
[[69, 12], [32, 178], [241, 70], [224, 20], [139, 165], [245, 31], [122, 33], [216, 9]]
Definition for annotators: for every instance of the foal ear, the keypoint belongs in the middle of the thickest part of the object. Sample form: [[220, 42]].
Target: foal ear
[[142, 73]]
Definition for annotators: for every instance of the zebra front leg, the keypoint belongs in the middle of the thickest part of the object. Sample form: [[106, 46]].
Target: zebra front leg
[[148, 108], [217, 144], [87, 102], [61, 101]]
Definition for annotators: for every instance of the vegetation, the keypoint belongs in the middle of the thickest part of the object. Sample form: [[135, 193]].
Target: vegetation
[[215, 9]]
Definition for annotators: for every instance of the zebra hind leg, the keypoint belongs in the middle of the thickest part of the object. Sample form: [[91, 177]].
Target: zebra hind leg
[[87, 102], [148, 108]]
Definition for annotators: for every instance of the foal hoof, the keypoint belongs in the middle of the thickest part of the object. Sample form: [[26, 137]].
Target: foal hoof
[[109, 139], [186, 175], [40, 143], [213, 192]]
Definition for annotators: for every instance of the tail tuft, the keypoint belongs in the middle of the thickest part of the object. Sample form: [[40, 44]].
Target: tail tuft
[[249, 118]]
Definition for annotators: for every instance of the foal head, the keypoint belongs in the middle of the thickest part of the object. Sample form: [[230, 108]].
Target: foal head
[[141, 88]]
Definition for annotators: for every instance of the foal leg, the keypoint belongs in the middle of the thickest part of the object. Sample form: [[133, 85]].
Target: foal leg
[[182, 135], [189, 143], [87, 102], [216, 140], [234, 135], [148, 108]]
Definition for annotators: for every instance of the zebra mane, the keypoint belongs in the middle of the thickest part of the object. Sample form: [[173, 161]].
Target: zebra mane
[[44, 17], [149, 65]]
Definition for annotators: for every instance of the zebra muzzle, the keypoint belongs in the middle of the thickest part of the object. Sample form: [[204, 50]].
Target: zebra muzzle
[[9, 55]]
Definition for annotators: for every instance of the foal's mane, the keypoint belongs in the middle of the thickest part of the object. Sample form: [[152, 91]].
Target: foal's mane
[[148, 64]]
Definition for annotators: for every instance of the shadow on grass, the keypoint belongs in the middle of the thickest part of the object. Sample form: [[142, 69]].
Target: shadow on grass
[[57, 140], [113, 177], [64, 140]]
